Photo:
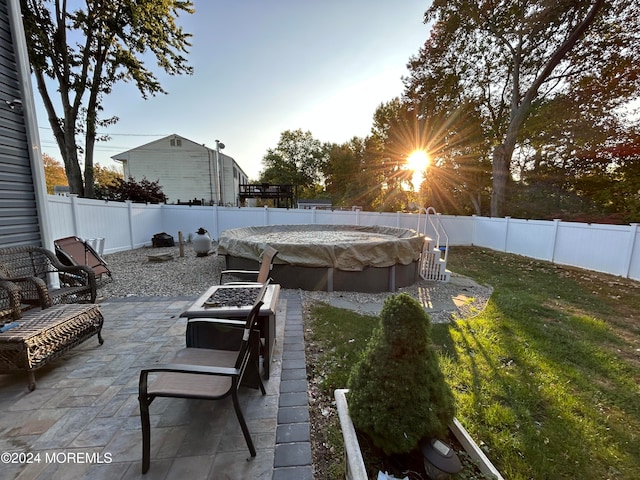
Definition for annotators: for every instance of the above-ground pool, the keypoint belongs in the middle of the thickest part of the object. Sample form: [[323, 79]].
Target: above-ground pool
[[329, 257]]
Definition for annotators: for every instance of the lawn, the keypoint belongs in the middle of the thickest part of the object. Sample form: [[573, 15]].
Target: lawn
[[546, 378]]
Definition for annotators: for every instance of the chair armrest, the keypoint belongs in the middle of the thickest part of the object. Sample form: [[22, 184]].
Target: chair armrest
[[33, 290], [9, 300], [237, 272], [219, 321], [195, 369], [83, 271]]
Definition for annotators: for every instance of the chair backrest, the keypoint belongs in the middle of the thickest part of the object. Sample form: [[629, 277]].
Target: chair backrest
[[267, 263], [26, 261], [249, 326], [73, 251]]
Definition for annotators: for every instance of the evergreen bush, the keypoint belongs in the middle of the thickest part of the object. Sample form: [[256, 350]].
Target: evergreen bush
[[398, 394]]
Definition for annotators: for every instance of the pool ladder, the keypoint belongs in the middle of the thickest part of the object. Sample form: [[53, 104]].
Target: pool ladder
[[435, 250]]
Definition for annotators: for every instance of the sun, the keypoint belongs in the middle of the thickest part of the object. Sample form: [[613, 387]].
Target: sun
[[418, 161]]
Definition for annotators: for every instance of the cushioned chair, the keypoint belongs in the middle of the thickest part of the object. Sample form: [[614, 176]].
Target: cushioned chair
[[203, 373], [32, 268], [261, 276]]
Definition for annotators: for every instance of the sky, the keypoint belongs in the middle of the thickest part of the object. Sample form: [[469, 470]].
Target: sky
[[265, 66]]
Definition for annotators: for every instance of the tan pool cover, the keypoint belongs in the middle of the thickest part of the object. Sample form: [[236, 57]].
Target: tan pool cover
[[344, 247]]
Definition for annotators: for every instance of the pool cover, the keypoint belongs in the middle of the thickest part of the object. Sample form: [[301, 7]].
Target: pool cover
[[343, 247]]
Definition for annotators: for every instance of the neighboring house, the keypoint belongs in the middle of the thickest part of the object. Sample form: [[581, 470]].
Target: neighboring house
[[23, 205], [185, 170]]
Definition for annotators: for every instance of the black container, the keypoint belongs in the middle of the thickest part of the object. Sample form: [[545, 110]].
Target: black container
[[162, 240]]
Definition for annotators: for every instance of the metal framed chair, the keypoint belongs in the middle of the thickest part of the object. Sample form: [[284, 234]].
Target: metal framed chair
[[74, 251], [203, 373], [262, 275]]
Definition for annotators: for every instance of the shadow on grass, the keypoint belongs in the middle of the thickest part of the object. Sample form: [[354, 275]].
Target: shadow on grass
[[539, 377]]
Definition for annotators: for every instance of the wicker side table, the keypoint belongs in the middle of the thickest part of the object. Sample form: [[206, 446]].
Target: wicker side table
[[43, 335]]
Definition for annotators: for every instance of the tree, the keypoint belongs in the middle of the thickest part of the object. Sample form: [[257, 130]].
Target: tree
[[298, 159], [79, 54], [143, 191], [346, 177], [503, 56], [394, 135], [53, 173], [107, 181], [105, 176]]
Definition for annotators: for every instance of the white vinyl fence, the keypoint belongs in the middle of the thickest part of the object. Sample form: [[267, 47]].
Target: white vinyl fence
[[613, 249]]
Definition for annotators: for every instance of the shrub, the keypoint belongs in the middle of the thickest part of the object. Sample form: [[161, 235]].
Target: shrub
[[142, 191], [398, 394]]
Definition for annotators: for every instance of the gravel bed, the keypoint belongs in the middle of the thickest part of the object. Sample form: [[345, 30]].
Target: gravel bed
[[135, 274]]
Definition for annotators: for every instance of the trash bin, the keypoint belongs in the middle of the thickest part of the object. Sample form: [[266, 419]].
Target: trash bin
[[96, 243]]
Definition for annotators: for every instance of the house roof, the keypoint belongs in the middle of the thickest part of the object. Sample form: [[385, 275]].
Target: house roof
[[124, 155]]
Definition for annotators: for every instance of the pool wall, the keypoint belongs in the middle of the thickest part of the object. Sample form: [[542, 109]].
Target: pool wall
[[368, 280], [388, 262]]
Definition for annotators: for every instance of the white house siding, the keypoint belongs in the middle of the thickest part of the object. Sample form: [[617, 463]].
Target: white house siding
[[184, 169]]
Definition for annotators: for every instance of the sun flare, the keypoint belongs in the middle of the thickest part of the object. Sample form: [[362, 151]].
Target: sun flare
[[418, 161]]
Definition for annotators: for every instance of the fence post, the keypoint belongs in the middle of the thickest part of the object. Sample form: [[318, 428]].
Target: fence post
[[216, 222], [556, 225], [474, 220], [506, 233], [633, 231], [74, 213], [130, 222]]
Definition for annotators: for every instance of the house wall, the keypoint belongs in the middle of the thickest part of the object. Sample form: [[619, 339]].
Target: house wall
[[184, 169], [23, 218]]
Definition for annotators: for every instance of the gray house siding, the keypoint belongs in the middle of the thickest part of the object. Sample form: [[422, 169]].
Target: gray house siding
[[19, 212]]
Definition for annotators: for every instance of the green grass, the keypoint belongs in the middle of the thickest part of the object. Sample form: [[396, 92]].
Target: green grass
[[547, 377]]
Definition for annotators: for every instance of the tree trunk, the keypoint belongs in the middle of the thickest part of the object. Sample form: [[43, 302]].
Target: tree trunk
[[89, 143], [519, 111], [500, 174], [71, 164], [476, 201]]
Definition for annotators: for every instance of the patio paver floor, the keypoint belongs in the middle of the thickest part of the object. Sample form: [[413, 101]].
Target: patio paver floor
[[83, 418]]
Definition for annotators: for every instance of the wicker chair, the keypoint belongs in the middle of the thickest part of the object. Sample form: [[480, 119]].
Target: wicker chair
[[10, 306], [203, 373], [31, 268]]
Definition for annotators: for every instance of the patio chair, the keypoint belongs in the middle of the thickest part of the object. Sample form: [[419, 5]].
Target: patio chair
[[73, 251], [35, 270], [205, 374], [262, 275]]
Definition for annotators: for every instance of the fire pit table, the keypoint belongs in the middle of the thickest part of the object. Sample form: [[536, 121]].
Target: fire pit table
[[232, 303]]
